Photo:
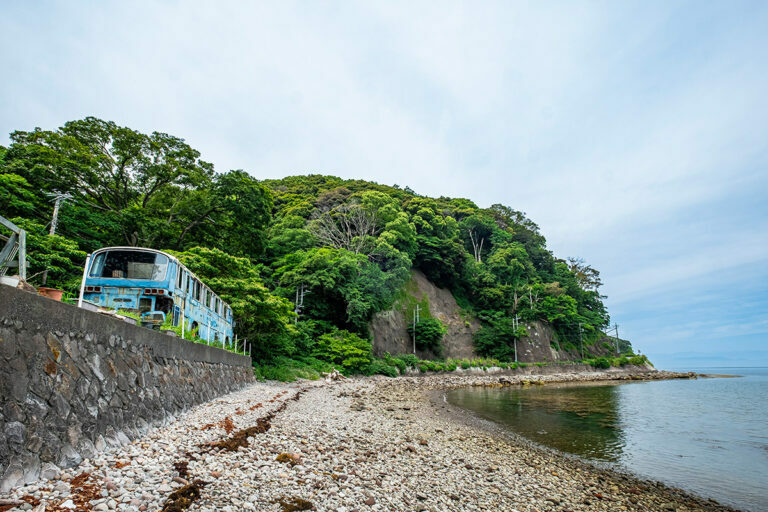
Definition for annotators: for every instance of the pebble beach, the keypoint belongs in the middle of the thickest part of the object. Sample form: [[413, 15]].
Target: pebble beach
[[352, 445]]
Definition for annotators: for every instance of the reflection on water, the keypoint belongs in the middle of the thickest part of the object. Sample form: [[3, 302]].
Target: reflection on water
[[709, 436], [551, 414]]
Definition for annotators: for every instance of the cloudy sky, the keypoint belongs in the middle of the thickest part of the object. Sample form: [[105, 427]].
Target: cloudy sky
[[634, 133]]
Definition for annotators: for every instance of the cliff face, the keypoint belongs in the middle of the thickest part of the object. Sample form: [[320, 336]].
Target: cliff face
[[389, 329]]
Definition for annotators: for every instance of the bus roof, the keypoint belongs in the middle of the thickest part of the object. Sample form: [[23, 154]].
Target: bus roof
[[129, 248]]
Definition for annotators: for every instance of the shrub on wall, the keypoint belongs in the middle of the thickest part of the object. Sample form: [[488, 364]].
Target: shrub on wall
[[429, 334]]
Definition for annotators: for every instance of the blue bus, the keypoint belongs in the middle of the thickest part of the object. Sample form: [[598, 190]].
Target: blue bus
[[156, 286]]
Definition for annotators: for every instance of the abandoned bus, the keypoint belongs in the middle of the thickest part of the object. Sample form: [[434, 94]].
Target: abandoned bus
[[159, 288]]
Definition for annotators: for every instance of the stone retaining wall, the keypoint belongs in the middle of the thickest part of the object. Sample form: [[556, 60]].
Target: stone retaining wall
[[74, 382]]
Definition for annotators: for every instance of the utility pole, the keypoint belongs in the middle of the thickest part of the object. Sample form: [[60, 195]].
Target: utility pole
[[616, 326], [415, 321], [299, 304], [515, 324], [581, 341], [58, 198]]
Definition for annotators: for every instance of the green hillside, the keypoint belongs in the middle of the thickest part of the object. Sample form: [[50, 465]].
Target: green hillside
[[349, 244]]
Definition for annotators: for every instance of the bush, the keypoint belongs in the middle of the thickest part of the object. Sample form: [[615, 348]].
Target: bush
[[345, 349], [600, 362], [396, 362], [288, 370], [409, 360], [380, 367], [429, 335]]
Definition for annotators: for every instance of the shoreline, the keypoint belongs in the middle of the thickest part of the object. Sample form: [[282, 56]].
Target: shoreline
[[608, 471], [361, 444]]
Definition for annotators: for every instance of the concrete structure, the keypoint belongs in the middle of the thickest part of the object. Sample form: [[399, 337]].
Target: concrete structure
[[74, 382]]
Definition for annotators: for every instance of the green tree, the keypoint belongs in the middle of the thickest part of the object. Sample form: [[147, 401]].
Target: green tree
[[150, 190], [496, 337], [429, 334], [345, 349], [262, 317], [57, 255]]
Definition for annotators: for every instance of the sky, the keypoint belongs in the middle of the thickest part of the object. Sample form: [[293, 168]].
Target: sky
[[634, 133]]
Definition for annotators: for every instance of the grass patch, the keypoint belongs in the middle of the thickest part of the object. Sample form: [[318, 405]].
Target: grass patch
[[285, 369]]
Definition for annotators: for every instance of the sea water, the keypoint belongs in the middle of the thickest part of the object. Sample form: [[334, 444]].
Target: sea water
[[708, 436]]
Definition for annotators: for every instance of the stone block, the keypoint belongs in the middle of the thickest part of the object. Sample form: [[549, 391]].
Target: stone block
[[86, 448], [74, 433], [54, 346], [33, 345], [12, 477], [40, 383], [36, 408], [94, 363], [60, 406], [15, 433], [49, 471], [13, 412], [51, 446], [81, 388], [68, 457], [65, 386], [34, 443]]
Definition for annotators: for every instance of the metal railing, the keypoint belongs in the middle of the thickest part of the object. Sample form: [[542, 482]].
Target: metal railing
[[14, 252]]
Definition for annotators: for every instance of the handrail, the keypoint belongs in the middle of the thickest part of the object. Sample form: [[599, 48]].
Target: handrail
[[15, 248]]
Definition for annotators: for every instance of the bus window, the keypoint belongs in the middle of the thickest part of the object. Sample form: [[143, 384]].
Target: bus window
[[129, 264], [97, 267], [145, 305], [196, 285]]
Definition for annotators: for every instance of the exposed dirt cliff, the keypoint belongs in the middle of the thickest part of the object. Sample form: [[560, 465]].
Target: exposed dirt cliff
[[389, 329]]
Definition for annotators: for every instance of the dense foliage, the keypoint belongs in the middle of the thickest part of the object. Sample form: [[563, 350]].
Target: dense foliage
[[350, 245], [429, 334], [342, 249]]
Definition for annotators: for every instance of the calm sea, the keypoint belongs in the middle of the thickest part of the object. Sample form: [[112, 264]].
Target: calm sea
[[707, 436]]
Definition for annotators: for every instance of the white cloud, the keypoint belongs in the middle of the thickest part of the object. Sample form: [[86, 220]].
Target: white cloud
[[612, 125]]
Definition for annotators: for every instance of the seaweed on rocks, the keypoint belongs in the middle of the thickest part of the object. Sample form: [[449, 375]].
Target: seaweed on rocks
[[263, 424], [295, 504], [182, 498], [181, 468], [84, 490], [240, 438], [289, 458]]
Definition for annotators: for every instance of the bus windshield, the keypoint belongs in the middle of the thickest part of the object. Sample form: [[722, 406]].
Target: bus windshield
[[127, 264]]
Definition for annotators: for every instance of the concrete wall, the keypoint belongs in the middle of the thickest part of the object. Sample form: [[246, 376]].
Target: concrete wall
[[74, 382]]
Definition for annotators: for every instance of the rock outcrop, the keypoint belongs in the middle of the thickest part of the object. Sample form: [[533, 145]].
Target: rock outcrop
[[390, 328]]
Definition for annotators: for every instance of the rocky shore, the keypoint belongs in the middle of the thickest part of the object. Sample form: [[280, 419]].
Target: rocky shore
[[355, 445]]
